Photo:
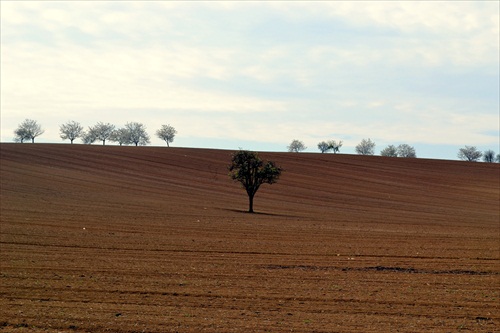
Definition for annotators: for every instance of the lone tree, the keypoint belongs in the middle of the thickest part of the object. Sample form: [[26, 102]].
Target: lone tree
[[28, 129], [248, 169], [366, 147], [469, 153], [166, 133], [71, 130], [296, 146], [137, 134]]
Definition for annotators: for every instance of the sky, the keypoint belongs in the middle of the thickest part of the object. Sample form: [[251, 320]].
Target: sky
[[257, 75]]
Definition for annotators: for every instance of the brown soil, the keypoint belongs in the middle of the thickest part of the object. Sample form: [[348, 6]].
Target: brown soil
[[149, 239]]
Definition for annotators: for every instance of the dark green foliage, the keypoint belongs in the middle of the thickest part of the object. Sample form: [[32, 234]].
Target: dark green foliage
[[248, 169]]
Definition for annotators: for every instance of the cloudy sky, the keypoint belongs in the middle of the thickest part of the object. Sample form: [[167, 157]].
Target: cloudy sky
[[256, 75]]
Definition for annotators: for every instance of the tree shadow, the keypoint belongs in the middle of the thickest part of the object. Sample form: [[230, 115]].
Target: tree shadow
[[241, 211]]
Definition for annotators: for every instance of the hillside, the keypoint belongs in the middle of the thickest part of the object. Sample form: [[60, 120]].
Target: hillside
[[158, 240]]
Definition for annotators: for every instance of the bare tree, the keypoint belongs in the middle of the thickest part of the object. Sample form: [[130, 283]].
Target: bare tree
[[166, 133], [89, 137], [469, 153], [137, 134], [365, 147], [323, 147], [489, 156], [389, 151], [102, 131], [498, 158], [20, 135], [296, 146], [405, 150], [248, 169], [28, 129], [71, 130], [121, 136], [335, 146]]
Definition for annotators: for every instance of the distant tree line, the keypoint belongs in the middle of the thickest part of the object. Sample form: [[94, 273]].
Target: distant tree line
[[367, 147], [472, 154], [134, 133]]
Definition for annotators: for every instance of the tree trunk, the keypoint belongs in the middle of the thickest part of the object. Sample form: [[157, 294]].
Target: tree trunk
[[32, 140], [250, 203]]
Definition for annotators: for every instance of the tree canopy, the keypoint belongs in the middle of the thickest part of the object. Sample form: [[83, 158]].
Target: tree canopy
[[166, 133], [489, 156], [136, 134], [469, 153], [407, 151], [389, 151], [71, 130], [102, 131], [29, 129], [366, 147], [331, 145], [121, 136], [296, 146], [323, 147]]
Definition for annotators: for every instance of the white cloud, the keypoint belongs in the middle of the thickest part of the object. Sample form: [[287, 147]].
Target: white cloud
[[123, 78], [435, 32], [414, 16]]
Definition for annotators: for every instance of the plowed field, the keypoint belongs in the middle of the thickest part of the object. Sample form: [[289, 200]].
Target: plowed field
[[152, 239]]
